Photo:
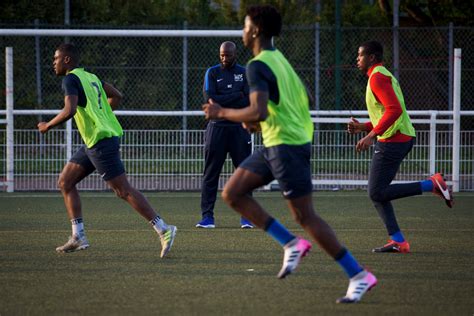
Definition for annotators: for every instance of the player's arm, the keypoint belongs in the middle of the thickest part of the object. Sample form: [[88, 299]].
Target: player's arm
[[114, 96], [256, 112], [68, 111], [355, 127], [71, 87]]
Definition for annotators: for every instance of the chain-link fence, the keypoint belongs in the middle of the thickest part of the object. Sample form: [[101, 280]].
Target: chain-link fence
[[166, 73]]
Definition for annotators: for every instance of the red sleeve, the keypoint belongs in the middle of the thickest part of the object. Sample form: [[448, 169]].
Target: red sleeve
[[381, 86], [369, 126]]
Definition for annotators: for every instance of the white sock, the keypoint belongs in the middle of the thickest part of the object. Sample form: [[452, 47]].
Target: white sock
[[159, 225], [77, 227]]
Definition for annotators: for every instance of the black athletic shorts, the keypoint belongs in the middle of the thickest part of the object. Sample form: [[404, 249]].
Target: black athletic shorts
[[288, 164], [103, 157]]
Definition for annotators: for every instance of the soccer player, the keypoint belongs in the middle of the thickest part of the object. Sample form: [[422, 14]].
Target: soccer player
[[391, 130], [226, 84], [279, 106], [91, 101]]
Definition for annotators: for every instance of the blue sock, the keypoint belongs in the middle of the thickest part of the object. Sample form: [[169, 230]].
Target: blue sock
[[348, 263], [398, 237], [278, 232], [426, 186]]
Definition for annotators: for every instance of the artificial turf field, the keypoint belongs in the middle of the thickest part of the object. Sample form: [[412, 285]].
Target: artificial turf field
[[227, 270]]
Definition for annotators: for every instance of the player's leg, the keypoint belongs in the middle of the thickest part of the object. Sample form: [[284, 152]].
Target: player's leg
[[215, 154], [73, 172], [239, 147], [393, 154], [253, 173], [303, 212], [360, 280], [123, 189], [236, 194], [291, 166], [384, 166], [105, 156]]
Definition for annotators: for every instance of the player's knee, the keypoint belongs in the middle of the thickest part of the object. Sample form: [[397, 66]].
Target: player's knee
[[229, 196], [64, 184], [376, 195]]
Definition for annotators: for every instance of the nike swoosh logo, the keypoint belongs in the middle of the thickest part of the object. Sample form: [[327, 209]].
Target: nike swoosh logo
[[219, 80], [286, 193], [444, 191], [376, 151]]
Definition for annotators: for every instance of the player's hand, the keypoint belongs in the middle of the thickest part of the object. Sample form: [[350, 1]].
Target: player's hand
[[211, 110], [365, 142], [252, 127], [354, 127], [43, 127]]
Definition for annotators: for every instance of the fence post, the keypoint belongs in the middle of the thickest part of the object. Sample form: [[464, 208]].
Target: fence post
[[68, 140], [396, 42], [185, 87], [456, 117], [433, 142], [39, 94], [317, 74], [450, 67], [10, 121]]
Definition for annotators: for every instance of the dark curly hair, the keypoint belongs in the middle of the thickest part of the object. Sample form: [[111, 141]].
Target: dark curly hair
[[70, 50], [373, 48], [266, 18]]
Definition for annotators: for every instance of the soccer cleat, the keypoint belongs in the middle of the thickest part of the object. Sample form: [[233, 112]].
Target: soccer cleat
[[359, 284], [246, 224], [207, 222], [167, 239], [294, 251], [440, 188], [75, 243], [393, 246]]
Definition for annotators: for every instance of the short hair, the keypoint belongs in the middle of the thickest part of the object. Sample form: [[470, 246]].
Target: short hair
[[373, 48], [266, 18], [70, 50]]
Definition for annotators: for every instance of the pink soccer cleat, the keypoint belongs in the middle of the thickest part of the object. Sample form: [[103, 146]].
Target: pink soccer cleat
[[294, 251]]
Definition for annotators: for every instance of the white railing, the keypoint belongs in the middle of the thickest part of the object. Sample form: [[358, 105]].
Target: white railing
[[161, 160]]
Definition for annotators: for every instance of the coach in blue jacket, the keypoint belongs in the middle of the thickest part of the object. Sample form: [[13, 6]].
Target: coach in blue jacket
[[227, 85]]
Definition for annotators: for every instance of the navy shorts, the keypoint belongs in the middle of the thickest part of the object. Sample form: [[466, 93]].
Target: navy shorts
[[103, 157], [288, 164]]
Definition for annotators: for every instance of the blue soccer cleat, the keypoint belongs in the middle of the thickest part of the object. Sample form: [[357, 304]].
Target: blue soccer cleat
[[207, 222], [246, 224]]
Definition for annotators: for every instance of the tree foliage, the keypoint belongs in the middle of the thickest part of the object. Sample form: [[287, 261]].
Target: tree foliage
[[222, 13]]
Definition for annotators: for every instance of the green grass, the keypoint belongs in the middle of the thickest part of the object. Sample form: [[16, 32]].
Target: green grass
[[228, 271]]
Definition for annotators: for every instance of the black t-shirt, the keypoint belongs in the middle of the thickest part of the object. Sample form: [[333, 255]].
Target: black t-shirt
[[261, 78]]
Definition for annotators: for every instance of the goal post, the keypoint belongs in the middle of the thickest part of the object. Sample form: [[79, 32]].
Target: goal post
[[9, 119], [456, 117]]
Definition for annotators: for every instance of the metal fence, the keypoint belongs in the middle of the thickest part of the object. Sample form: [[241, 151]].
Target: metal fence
[[166, 72], [173, 159]]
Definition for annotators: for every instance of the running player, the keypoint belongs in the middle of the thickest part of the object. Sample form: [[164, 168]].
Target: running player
[[91, 101], [279, 106], [391, 130]]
